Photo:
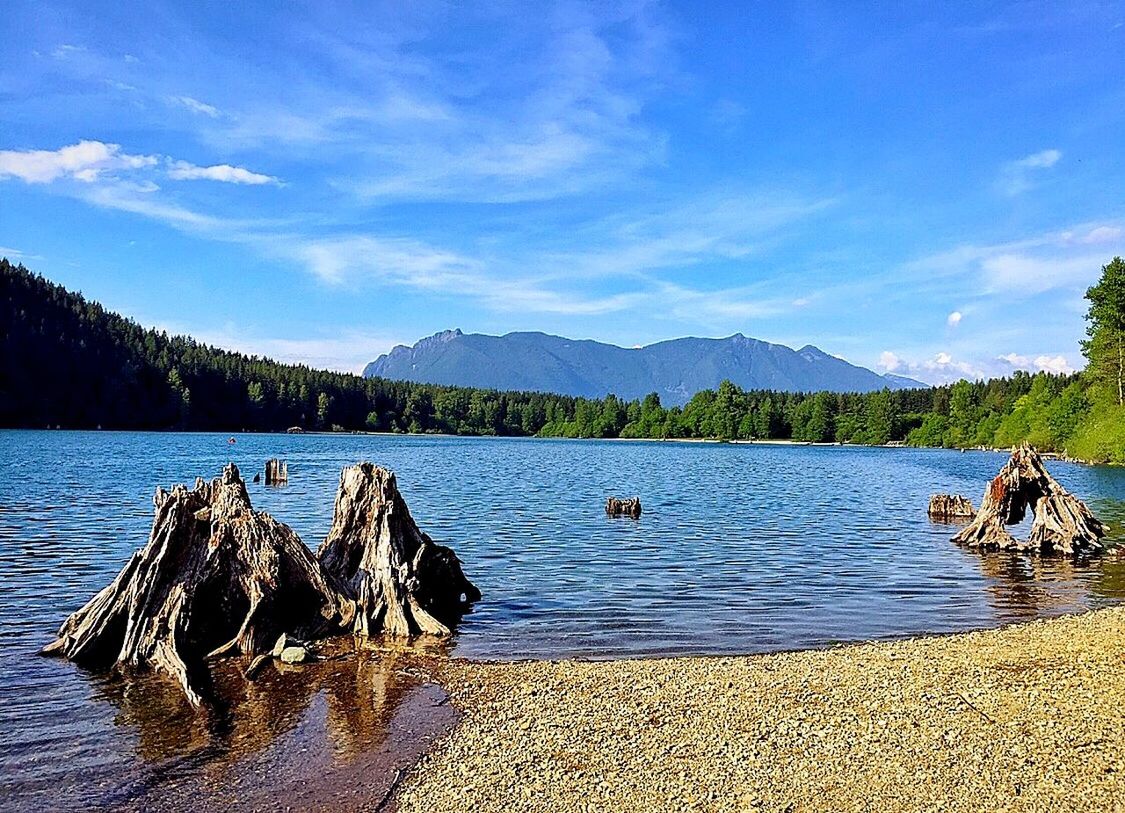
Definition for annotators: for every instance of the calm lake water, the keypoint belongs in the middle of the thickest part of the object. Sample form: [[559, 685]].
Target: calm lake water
[[741, 549]]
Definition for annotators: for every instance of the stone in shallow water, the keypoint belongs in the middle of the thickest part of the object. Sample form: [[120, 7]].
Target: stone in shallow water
[[294, 654]]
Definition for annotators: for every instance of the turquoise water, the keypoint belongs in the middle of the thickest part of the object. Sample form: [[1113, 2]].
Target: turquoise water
[[741, 549]]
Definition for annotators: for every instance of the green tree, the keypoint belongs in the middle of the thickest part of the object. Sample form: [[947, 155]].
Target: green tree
[[964, 413], [1105, 349], [882, 417]]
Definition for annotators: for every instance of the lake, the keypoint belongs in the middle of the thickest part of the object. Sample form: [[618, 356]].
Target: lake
[[740, 549]]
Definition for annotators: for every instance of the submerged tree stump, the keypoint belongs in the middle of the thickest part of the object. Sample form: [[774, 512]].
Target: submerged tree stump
[[616, 507], [1062, 523], [215, 578], [950, 508], [277, 472], [403, 582]]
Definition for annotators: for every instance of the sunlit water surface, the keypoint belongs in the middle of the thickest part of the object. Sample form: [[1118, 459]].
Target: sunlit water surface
[[740, 549]]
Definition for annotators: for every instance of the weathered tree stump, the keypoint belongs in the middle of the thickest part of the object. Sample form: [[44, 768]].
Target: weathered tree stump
[[1062, 523], [403, 582], [950, 508], [277, 472], [616, 507], [215, 578]]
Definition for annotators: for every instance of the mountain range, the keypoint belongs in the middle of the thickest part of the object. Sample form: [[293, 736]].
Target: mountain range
[[674, 369]]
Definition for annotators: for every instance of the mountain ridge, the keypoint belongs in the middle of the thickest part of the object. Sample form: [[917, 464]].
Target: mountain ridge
[[673, 368]]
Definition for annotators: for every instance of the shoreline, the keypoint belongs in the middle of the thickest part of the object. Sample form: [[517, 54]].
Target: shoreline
[[1022, 717]]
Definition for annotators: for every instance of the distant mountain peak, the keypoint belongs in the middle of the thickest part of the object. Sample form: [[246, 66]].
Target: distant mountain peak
[[676, 369]]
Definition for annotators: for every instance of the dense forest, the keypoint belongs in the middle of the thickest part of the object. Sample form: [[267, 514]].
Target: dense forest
[[68, 362]]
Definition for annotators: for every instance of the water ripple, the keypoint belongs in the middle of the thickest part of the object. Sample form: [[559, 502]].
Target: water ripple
[[740, 549]]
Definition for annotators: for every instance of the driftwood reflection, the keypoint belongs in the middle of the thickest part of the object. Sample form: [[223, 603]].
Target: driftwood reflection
[[336, 727]]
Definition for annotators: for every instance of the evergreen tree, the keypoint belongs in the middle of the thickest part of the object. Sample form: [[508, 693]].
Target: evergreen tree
[[1105, 349]]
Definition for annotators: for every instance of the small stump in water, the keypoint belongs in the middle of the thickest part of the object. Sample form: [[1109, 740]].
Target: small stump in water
[[616, 507], [1062, 523], [277, 472], [950, 508]]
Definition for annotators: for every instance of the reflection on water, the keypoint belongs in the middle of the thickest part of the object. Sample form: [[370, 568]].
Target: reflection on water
[[740, 549], [324, 735]]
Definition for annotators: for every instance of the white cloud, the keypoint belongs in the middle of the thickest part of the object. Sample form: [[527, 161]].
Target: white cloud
[[953, 319], [1016, 177], [941, 368], [86, 161], [195, 106], [944, 368], [1044, 363], [1053, 364], [1040, 160], [183, 171], [889, 361], [90, 162]]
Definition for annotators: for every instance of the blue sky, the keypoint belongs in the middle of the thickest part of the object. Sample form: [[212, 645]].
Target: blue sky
[[926, 188]]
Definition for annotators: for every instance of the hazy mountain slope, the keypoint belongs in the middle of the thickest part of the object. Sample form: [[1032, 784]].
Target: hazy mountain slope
[[675, 369]]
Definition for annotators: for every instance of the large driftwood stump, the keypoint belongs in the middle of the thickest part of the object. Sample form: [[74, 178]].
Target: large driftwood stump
[[616, 507], [215, 578], [1062, 523], [404, 583], [950, 508]]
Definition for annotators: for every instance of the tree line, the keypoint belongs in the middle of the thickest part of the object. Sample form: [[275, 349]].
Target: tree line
[[69, 362]]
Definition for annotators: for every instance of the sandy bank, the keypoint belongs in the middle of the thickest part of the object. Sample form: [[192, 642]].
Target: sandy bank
[[1025, 718]]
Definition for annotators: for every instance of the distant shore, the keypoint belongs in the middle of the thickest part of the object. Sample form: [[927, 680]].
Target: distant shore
[[1022, 718]]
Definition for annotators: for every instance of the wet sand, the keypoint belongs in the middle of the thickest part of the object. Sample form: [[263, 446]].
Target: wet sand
[[1024, 718]]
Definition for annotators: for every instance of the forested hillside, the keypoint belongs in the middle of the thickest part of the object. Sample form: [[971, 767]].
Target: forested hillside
[[69, 362]]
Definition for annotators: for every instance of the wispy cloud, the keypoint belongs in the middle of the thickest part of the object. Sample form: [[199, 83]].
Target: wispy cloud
[[557, 111], [1017, 177], [1056, 260], [225, 173], [66, 50], [348, 350], [195, 106]]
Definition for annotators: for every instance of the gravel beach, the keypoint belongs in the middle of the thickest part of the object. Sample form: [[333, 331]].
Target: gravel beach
[[1025, 718]]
